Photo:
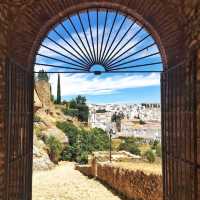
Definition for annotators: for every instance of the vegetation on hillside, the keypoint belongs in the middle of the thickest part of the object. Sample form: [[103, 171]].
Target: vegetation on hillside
[[54, 148], [78, 108], [82, 142], [150, 156], [138, 146], [101, 111], [131, 145]]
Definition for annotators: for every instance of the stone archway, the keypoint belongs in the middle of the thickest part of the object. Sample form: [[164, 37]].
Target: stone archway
[[175, 25]]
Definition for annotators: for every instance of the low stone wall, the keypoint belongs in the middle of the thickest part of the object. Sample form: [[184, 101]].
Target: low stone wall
[[131, 184], [85, 169]]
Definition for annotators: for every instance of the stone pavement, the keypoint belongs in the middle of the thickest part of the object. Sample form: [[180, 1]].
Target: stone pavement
[[65, 183]]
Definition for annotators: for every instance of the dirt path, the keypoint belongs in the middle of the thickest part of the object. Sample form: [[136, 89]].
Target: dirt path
[[65, 183]]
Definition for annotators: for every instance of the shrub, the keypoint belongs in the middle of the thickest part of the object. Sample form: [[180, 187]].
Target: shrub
[[134, 150], [159, 150], [54, 148], [101, 111], [69, 153], [150, 156], [130, 145], [142, 122], [82, 158], [155, 144], [37, 131], [37, 118], [70, 130], [71, 112], [82, 142]]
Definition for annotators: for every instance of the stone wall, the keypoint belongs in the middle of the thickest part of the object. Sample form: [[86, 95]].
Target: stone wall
[[131, 184], [85, 169]]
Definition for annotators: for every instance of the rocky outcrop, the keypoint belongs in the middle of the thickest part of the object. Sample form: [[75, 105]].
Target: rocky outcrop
[[37, 102], [57, 133], [41, 160], [43, 89], [48, 114]]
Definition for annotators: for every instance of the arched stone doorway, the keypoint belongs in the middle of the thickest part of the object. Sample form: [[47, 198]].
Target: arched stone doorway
[[174, 24]]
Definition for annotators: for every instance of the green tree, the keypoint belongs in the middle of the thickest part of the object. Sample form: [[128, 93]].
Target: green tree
[[150, 156], [42, 75], [73, 104], [155, 144], [78, 108], [83, 112], [82, 142], [52, 97], [117, 118], [80, 100], [58, 101]]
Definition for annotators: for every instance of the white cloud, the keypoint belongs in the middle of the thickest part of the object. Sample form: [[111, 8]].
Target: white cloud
[[74, 84]]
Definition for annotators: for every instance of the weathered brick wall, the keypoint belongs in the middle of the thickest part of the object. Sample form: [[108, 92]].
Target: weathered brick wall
[[36, 18], [23, 23], [132, 184], [3, 49]]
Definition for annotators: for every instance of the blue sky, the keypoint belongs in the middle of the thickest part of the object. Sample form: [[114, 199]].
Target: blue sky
[[106, 88]]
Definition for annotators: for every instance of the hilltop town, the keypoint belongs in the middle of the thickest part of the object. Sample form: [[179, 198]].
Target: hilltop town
[[140, 120]]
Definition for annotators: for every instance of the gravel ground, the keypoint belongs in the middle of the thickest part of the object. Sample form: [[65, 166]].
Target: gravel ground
[[65, 183]]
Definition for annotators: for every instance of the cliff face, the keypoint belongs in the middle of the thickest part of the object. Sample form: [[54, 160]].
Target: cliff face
[[37, 102], [43, 91], [46, 115]]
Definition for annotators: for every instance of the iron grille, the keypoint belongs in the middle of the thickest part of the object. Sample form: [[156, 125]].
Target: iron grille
[[98, 41]]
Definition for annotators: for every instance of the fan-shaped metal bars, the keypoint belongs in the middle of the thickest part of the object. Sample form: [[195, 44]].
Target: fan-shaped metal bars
[[94, 39]]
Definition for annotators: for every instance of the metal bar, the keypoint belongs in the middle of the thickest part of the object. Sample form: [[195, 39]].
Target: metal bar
[[130, 48], [102, 40], [91, 35], [110, 47], [108, 58], [97, 35], [135, 66], [134, 60], [104, 72], [59, 60], [62, 24], [61, 54], [110, 32], [88, 55], [86, 58], [56, 66], [67, 50], [111, 64], [125, 44], [92, 58]]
